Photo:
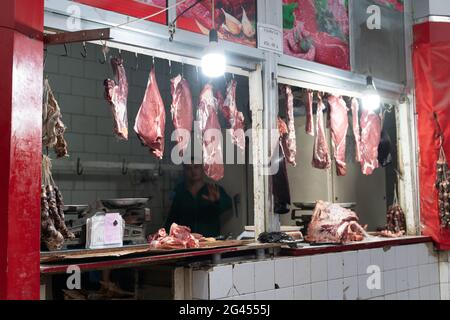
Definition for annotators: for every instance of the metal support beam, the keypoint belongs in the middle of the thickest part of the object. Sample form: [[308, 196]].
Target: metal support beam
[[21, 29], [77, 36]]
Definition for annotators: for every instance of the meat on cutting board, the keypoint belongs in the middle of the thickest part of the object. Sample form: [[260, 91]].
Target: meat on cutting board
[[179, 237], [235, 119], [289, 141], [356, 128], [339, 127], [331, 223], [116, 93], [182, 112], [151, 119], [321, 152], [209, 127], [370, 140], [309, 114]]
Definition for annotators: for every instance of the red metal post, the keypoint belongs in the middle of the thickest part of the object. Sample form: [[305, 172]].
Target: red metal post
[[21, 70]]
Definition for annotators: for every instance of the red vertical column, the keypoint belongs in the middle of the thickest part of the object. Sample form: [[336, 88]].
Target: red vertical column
[[21, 72]]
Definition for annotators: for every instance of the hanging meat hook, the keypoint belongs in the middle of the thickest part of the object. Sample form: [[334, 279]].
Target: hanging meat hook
[[104, 52], [80, 169], [84, 50], [124, 167]]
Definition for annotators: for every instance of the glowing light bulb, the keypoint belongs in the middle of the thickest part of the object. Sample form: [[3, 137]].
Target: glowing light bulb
[[214, 61]]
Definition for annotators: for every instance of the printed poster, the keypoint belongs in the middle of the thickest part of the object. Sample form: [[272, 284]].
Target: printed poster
[[235, 20], [317, 30], [134, 8]]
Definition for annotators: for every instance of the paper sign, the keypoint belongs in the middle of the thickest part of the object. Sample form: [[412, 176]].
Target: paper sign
[[270, 38], [113, 228]]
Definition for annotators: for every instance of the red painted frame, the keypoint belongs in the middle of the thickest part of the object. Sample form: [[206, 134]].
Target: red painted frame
[[21, 33]]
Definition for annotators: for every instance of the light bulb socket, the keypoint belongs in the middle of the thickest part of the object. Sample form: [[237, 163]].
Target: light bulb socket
[[213, 36]]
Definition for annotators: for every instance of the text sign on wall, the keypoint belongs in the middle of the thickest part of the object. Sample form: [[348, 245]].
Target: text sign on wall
[[270, 38]]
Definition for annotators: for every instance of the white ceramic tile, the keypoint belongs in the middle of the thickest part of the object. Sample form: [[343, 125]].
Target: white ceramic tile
[[443, 272], [402, 279], [389, 259], [363, 290], [284, 273], [200, 285], [335, 265], [319, 291], [413, 277], [422, 253], [363, 261], [401, 256], [445, 291], [244, 278], [265, 295], [302, 292], [319, 268], [424, 293], [220, 282], [414, 294], [302, 270], [336, 289], [413, 258], [403, 295], [350, 264], [284, 294], [377, 258], [378, 298], [435, 292], [424, 275], [264, 276], [245, 297], [350, 289], [434, 273], [391, 297], [433, 256], [390, 282]]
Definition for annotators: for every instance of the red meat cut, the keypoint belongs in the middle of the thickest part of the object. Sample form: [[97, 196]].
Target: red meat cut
[[235, 119], [339, 127], [151, 119], [370, 140], [289, 141], [331, 223], [321, 153], [179, 237], [356, 128], [182, 112], [116, 93], [209, 127], [309, 114]]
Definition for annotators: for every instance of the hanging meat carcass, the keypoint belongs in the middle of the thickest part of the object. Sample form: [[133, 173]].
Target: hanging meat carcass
[[309, 114], [209, 128], [280, 181], [331, 223], [235, 119], [443, 186], [356, 128], [339, 127], [370, 140], [151, 119], [321, 153], [289, 141], [182, 112], [116, 93], [53, 128]]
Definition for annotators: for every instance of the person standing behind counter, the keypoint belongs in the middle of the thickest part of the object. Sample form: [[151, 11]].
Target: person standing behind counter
[[198, 204]]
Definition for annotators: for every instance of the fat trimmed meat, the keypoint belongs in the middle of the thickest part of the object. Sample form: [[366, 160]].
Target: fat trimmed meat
[[309, 114], [235, 119], [356, 128], [331, 223], [182, 112], [370, 140], [151, 119], [289, 141], [339, 127], [116, 93], [321, 152], [209, 128]]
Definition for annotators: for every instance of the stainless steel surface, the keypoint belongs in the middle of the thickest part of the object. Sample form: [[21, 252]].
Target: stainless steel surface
[[125, 203]]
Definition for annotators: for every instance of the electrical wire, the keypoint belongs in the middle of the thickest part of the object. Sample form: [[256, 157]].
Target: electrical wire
[[187, 9]]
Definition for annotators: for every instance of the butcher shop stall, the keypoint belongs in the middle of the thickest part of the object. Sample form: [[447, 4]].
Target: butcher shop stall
[[225, 150]]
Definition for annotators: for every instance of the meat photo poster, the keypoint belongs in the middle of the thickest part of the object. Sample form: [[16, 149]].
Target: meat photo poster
[[235, 20], [134, 8], [317, 30], [397, 5]]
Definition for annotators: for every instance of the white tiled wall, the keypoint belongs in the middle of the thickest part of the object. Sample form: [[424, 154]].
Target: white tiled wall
[[409, 272]]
